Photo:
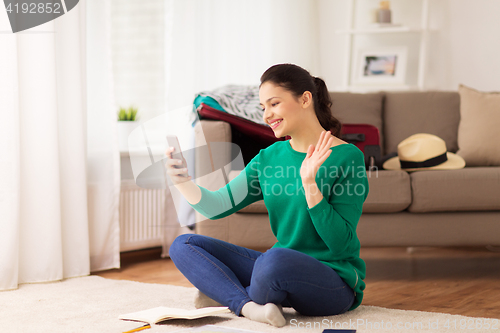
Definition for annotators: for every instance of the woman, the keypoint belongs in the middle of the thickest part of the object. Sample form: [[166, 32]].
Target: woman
[[313, 186]]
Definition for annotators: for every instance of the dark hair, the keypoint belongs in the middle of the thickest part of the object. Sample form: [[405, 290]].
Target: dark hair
[[297, 80]]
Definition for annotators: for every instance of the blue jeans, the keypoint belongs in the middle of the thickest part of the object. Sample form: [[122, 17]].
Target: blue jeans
[[233, 275]]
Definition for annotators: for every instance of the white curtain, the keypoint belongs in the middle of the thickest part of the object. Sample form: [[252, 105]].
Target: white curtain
[[103, 156], [58, 190]]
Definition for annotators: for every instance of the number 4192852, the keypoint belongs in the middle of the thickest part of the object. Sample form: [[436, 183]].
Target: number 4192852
[[33, 8]]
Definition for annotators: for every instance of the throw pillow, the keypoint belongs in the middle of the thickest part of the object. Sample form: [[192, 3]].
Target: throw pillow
[[478, 134]]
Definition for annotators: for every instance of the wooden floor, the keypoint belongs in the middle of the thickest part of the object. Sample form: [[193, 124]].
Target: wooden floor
[[457, 280]]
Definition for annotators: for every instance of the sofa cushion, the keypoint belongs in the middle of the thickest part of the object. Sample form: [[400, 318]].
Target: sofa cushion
[[389, 191], [354, 108], [478, 135], [468, 189], [255, 208], [408, 113]]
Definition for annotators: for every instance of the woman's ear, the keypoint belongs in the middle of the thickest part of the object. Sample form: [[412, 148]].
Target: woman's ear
[[306, 99]]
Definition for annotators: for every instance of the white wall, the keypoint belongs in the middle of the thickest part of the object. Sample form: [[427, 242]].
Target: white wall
[[472, 39], [137, 34], [464, 45]]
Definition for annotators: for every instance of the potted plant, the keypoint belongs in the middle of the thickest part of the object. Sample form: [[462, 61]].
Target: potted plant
[[127, 122]]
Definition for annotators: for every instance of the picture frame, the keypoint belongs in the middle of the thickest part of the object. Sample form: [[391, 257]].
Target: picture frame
[[380, 65]]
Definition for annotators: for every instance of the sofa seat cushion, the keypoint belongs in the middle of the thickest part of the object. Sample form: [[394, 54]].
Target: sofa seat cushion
[[255, 208], [389, 191], [467, 189]]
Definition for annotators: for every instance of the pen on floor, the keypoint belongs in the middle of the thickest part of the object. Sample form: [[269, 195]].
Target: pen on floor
[[139, 328]]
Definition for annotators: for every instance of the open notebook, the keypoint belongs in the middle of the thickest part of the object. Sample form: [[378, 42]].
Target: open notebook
[[161, 313]]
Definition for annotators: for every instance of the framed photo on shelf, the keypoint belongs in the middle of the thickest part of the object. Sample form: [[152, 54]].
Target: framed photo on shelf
[[379, 66]]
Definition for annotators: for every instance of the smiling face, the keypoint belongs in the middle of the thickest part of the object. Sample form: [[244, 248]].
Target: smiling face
[[282, 112]]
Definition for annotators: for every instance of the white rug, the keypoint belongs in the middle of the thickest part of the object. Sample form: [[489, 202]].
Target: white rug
[[92, 304]]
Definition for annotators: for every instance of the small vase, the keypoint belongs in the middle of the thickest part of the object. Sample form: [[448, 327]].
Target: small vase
[[124, 130], [384, 16], [384, 12]]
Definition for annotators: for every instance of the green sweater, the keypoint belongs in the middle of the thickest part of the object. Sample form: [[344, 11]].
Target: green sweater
[[327, 231]]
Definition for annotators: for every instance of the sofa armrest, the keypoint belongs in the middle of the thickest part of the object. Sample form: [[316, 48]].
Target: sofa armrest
[[212, 131], [210, 154]]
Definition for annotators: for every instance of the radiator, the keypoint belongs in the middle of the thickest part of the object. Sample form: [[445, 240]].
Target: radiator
[[142, 216]]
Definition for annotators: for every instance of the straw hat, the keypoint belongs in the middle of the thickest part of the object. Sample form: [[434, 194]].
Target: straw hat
[[423, 151]]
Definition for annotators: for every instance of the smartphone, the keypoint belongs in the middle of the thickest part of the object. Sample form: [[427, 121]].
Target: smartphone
[[177, 153]]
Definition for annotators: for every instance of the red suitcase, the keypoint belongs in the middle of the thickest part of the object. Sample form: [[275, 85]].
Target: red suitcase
[[367, 138], [254, 130]]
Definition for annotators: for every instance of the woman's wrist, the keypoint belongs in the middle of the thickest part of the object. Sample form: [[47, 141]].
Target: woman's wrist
[[308, 181], [190, 191], [312, 192]]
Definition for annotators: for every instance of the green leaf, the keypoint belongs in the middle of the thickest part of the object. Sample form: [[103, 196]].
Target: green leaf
[[122, 114]]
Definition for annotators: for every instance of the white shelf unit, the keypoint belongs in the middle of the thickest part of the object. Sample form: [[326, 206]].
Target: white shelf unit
[[352, 31]]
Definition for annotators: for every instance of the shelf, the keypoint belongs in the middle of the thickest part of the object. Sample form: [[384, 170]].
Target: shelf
[[377, 30]]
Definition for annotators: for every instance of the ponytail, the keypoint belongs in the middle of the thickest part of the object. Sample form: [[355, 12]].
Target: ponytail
[[297, 80], [322, 107]]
